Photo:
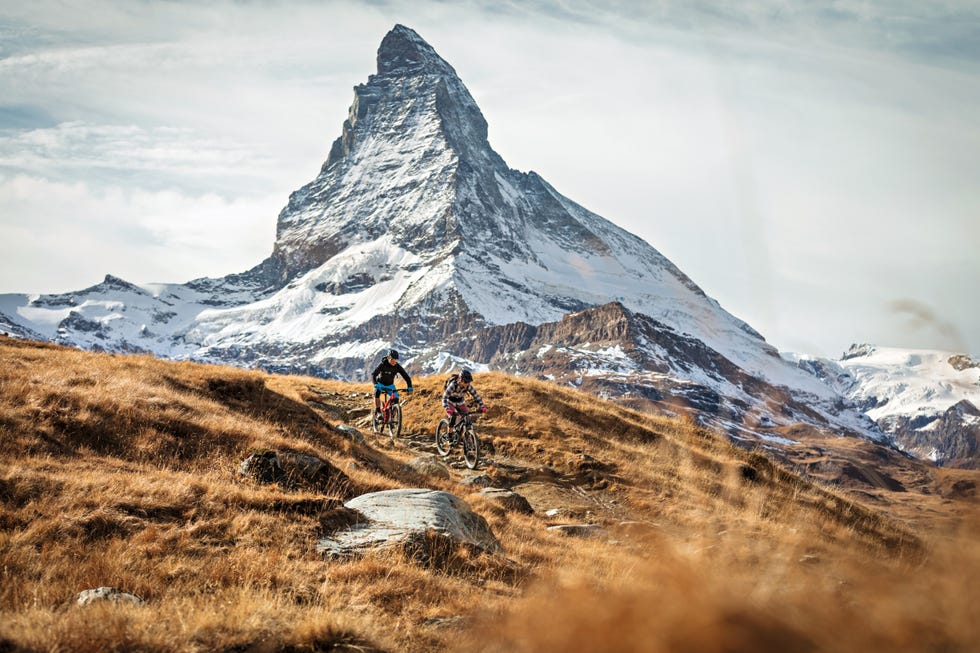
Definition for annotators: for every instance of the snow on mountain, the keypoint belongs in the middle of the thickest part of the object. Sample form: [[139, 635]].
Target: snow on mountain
[[926, 400], [416, 234]]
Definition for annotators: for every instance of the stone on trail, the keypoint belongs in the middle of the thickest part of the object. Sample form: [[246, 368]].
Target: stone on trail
[[418, 520], [427, 466], [507, 499], [350, 433], [578, 530]]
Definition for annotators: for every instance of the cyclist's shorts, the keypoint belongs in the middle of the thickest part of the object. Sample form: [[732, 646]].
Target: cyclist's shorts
[[378, 393]]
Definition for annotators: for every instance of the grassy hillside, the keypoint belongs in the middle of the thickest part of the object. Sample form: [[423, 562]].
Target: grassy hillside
[[121, 471]]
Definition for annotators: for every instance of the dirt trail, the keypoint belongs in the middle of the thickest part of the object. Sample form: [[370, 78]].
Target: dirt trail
[[578, 496]]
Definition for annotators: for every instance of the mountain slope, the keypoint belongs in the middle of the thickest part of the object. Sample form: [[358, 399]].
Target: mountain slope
[[121, 470]]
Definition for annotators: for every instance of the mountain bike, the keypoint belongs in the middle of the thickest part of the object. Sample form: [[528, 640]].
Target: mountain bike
[[389, 418], [461, 433]]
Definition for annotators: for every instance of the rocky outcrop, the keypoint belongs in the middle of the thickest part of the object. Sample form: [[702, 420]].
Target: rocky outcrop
[[950, 438], [295, 471], [962, 362]]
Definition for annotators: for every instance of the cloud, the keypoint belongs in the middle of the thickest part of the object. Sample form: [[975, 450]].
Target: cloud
[[920, 317], [69, 235], [949, 29], [150, 157]]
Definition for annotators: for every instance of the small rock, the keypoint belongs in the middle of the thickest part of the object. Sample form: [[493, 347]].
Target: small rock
[[350, 433], [262, 466], [459, 621], [508, 499], [427, 466], [577, 530], [86, 597], [294, 470], [478, 480]]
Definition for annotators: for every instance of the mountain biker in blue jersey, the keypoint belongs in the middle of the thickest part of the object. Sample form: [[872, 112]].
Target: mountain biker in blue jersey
[[384, 378], [454, 396]]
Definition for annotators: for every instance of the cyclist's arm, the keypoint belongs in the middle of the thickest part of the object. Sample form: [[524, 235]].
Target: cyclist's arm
[[476, 395], [408, 379]]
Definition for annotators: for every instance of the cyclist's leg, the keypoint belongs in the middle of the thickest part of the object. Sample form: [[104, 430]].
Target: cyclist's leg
[[461, 411], [458, 410]]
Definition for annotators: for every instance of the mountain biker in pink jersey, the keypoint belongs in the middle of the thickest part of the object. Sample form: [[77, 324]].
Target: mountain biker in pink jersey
[[454, 396]]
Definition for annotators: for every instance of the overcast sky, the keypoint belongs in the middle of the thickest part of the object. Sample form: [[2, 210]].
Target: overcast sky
[[813, 166]]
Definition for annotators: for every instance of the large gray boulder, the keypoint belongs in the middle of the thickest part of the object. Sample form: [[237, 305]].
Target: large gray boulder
[[426, 523]]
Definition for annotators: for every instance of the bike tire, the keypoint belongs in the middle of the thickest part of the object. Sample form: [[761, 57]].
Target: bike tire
[[395, 421], [444, 438], [471, 448]]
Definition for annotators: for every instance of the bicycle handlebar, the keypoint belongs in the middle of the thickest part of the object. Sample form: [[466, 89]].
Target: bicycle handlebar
[[390, 389]]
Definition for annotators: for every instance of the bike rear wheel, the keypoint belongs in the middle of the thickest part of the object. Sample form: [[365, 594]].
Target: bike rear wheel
[[395, 421], [444, 438], [471, 448]]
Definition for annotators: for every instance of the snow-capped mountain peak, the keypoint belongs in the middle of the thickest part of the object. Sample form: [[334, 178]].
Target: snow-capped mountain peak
[[404, 52]]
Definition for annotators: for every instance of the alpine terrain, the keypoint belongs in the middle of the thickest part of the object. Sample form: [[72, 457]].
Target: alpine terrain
[[928, 400], [416, 234]]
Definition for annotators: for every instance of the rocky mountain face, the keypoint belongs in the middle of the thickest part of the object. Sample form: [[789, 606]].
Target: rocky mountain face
[[416, 234], [949, 438]]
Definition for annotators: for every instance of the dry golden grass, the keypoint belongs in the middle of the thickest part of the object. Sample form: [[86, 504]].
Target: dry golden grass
[[120, 471]]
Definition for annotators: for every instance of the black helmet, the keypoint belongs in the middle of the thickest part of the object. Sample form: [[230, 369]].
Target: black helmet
[[466, 376], [392, 354]]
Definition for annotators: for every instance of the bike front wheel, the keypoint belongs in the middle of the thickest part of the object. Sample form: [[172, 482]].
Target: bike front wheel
[[395, 421], [444, 438], [471, 448]]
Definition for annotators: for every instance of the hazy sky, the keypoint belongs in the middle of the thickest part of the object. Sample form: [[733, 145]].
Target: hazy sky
[[813, 166]]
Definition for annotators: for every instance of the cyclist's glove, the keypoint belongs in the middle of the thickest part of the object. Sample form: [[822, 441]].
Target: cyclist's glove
[[409, 390], [483, 409]]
